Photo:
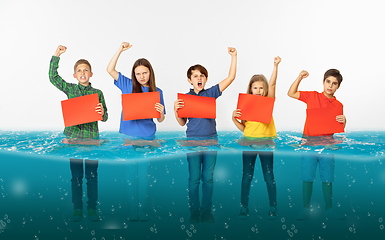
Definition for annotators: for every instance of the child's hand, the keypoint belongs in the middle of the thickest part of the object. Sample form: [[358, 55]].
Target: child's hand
[[237, 113], [60, 50], [99, 109], [341, 119], [232, 51], [159, 107], [124, 46], [178, 104], [303, 74], [277, 60]]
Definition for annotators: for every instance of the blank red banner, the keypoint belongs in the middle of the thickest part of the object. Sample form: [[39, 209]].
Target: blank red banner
[[140, 105], [322, 121], [197, 107], [255, 108], [80, 110]]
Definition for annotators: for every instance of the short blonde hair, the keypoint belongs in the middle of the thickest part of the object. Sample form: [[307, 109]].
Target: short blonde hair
[[82, 61], [259, 78]]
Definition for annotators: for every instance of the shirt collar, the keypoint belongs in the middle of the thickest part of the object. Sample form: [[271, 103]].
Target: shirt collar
[[192, 92], [329, 99], [84, 87]]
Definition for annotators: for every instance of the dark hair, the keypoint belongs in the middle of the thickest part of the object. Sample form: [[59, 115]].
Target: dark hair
[[82, 61], [258, 78], [333, 73], [198, 67], [136, 87]]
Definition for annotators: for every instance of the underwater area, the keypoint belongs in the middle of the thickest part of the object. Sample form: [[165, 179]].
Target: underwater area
[[36, 198]]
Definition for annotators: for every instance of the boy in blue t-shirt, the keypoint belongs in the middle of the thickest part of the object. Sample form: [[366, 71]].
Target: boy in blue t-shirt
[[203, 163]]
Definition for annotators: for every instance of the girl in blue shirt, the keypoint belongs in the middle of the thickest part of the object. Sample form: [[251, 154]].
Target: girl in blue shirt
[[142, 80]]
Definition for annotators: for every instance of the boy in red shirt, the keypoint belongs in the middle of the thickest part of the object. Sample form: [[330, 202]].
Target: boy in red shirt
[[332, 81]]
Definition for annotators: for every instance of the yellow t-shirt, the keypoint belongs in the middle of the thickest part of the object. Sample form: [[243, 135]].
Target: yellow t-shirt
[[259, 130]]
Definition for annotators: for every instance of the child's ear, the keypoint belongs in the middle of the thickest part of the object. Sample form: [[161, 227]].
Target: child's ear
[[91, 74], [189, 80], [74, 75]]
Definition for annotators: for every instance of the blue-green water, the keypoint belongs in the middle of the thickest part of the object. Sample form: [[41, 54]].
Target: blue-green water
[[35, 190]]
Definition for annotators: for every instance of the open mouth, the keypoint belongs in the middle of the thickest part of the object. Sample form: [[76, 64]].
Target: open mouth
[[199, 84]]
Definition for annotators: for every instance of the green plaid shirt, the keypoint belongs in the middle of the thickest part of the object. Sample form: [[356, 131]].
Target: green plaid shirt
[[87, 130]]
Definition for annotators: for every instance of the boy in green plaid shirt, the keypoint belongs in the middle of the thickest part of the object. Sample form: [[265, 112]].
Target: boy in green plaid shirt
[[82, 72]]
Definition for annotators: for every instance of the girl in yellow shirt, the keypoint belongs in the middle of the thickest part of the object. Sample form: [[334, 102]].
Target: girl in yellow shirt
[[258, 85]]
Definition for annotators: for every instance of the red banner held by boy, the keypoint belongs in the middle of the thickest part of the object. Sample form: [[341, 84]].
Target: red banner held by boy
[[197, 107], [80, 110], [255, 108], [322, 121], [140, 105]]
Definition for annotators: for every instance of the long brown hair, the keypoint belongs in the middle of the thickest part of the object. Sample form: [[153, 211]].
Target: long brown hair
[[259, 78], [136, 87]]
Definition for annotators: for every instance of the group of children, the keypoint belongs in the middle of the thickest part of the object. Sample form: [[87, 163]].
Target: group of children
[[201, 164]]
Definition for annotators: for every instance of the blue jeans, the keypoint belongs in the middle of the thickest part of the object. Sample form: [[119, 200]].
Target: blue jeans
[[248, 173], [91, 168], [201, 167]]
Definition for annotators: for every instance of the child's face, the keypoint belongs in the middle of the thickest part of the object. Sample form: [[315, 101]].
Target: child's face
[[83, 74], [330, 86], [258, 88], [198, 80], [142, 74]]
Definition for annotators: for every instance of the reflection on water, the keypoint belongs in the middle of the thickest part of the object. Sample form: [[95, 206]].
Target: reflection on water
[[148, 197]]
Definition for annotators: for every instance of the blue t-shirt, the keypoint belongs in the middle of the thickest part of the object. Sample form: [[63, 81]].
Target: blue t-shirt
[[203, 127], [141, 127]]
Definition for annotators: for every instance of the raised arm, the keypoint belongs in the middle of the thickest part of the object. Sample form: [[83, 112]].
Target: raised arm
[[233, 69], [60, 50], [178, 104], [111, 66], [54, 77], [293, 90], [273, 78]]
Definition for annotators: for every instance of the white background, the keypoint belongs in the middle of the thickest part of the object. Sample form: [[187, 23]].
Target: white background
[[173, 35]]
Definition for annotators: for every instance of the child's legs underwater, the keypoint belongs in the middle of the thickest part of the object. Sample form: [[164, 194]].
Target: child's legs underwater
[[201, 165], [326, 169], [91, 166], [248, 159], [268, 174], [309, 164], [137, 182]]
